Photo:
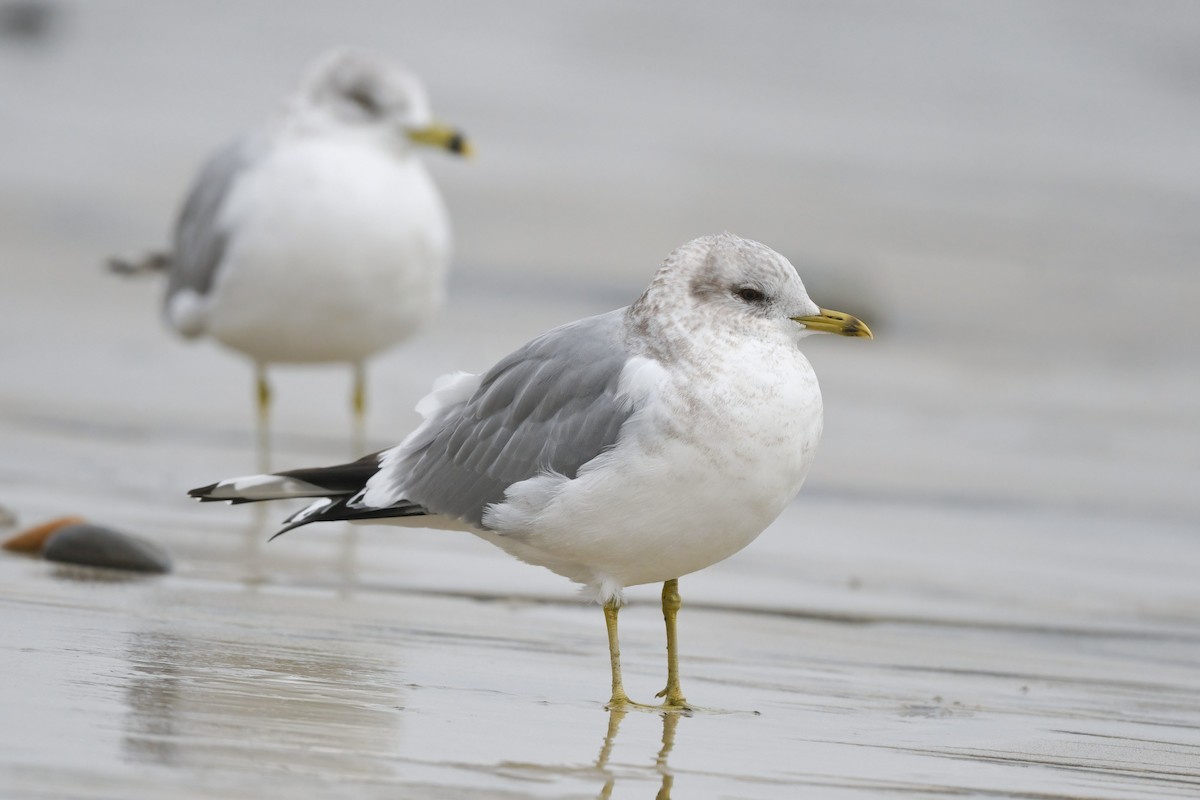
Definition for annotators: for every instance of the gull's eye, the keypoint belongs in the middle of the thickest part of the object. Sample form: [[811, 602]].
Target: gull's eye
[[364, 99], [750, 294]]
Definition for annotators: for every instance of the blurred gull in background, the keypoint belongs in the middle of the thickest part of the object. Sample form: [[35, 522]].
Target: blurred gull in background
[[320, 237]]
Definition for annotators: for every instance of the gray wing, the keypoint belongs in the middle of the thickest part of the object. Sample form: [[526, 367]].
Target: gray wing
[[200, 240], [550, 406]]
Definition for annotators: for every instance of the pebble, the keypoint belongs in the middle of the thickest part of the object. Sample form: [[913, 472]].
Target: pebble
[[32, 540], [97, 546]]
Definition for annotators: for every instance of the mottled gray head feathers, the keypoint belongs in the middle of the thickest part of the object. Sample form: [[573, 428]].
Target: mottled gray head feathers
[[722, 281], [359, 86]]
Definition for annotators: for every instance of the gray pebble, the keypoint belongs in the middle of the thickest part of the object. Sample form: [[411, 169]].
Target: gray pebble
[[97, 546]]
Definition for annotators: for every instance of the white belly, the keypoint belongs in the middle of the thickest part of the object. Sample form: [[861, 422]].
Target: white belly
[[339, 251], [660, 506]]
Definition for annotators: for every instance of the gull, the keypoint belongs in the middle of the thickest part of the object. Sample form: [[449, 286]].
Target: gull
[[319, 237], [628, 448]]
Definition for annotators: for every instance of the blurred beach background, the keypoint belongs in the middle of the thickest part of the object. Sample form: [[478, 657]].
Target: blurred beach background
[[1008, 193]]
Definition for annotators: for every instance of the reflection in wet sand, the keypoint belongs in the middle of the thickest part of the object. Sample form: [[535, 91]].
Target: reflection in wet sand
[[670, 722], [263, 524], [348, 557], [628, 772], [252, 542], [257, 706]]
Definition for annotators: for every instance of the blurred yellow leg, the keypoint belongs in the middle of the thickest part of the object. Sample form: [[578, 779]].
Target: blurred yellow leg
[[358, 402], [263, 399], [358, 446]]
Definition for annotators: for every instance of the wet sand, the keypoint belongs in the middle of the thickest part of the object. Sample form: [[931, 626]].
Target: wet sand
[[434, 668], [987, 587]]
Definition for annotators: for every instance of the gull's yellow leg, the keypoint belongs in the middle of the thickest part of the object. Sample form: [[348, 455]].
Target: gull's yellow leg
[[673, 695], [619, 698], [263, 399]]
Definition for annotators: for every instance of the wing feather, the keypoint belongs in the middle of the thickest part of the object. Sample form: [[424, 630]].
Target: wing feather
[[200, 237], [552, 406]]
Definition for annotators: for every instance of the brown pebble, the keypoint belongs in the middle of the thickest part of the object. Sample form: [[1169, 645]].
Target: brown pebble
[[32, 539]]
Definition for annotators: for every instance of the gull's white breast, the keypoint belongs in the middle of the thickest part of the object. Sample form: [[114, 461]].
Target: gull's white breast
[[337, 250]]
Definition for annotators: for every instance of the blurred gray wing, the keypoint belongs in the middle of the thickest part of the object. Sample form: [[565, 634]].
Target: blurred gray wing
[[200, 239], [550, 406]]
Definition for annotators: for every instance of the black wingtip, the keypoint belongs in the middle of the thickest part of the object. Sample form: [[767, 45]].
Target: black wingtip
[[289, 526], [203, 492]]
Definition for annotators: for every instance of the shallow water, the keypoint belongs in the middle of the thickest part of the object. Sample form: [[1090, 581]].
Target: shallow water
[[987, 587]]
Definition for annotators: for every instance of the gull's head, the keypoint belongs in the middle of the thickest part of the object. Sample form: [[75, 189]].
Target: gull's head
[[743, 286], [358, 92]]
